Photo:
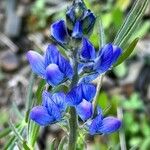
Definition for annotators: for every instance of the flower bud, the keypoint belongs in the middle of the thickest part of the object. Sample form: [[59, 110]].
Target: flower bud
[[79, 13]]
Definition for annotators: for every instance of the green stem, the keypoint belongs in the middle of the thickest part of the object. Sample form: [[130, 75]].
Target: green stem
[[73, 121]]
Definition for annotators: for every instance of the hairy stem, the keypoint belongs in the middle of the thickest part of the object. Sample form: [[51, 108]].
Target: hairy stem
[[73, 121]]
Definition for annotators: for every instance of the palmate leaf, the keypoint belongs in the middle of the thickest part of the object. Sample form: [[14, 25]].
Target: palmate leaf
[[127, 52], [131, 22]]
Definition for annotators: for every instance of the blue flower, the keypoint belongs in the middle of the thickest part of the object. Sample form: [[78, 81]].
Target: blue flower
[[80, 22], [97, 64], [78, 93], [81, 97], [51, 110], [107, 125], [79, 13], [52, 66]]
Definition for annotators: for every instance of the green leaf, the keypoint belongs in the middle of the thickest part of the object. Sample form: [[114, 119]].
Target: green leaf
[[102, 34], [6, 131], [60, 88], [131, 23], [11, 142], [127, 52], [33, 134], [62, 142], [39, 91], [16, 132], [29, 96]]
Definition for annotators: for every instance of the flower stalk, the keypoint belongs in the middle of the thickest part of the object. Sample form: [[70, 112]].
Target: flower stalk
[[73, 121]]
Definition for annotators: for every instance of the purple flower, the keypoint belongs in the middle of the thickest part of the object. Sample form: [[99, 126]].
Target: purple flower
[[107, 125], [52, 66], [80, 97], [98, 63], [51, 110]]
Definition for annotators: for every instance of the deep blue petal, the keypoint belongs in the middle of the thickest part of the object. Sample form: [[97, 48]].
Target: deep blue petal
[[77, 30], [53, 75], [104, 61], [96, 123], [51, 55], [60, 100], [74, 97], [109, 125], [40, 115], [65, 66], [37, 63], [59, 31], [88, 50], [116, 53], [46, 94], [89, 91], [84, 110], [52, 108]]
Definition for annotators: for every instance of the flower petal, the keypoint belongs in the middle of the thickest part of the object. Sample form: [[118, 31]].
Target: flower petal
[[74, 97], [88, 50], [96, 123], [53, 75], [52, 108], [116, 53], [89, 91], [40, 115], [46, 94], [59, 99], [77, 30], [104, 61], [59, 31], [37, 63], [65, 66], [51, 55], [109, 125], [84, 110]]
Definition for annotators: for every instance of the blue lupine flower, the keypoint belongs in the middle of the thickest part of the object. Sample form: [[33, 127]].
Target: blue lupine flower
[[98, 63], [51, 110], [52, 66], [101, 125], [78, 93], [81, 98], [80, 21]]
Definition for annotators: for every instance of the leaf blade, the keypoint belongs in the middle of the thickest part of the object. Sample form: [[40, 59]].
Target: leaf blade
[[128, 52]]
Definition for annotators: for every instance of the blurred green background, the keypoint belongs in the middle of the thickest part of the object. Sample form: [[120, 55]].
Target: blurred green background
[[24, 25]]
